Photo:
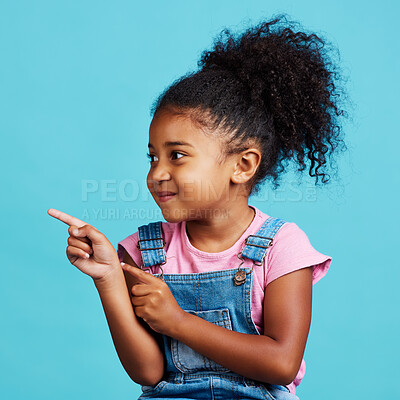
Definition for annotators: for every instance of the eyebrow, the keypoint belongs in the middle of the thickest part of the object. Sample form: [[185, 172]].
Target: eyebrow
[[177, 143]]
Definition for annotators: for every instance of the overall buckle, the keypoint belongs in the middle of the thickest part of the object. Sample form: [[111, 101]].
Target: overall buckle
[[257, 245], [151, 248]]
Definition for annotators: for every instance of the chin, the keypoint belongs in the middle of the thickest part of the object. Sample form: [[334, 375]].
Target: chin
[[173, 215]]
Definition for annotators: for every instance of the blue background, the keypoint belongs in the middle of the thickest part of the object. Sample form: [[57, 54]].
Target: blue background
[[77, 79]]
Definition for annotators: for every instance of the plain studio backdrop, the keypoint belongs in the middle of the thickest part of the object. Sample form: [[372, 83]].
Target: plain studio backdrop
[[77, 79]]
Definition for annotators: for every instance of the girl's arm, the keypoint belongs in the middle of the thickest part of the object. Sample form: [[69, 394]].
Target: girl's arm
[[274, 357], [137, 346], [93, 254]]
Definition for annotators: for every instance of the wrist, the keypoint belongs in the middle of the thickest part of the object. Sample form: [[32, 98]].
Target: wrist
[[179, 324], [110, 280]]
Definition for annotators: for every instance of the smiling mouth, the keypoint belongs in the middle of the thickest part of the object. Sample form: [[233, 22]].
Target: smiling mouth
[[165, 196]]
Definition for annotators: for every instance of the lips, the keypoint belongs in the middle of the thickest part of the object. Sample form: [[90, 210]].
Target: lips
[[165, 195], [160, 194]]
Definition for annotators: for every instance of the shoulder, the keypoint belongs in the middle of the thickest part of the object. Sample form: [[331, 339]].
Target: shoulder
[[292, 250], [289, 235]]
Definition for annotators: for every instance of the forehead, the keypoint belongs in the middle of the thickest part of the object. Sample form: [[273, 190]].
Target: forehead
[[168, 127]]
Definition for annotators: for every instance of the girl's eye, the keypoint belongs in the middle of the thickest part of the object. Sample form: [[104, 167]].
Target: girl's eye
[[177, 152], [150, 156]]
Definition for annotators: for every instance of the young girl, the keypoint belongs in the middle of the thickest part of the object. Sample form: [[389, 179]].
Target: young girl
[[220, 306]]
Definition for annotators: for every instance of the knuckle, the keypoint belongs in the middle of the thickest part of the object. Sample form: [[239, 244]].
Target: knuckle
[[154, 300], [143, 314]]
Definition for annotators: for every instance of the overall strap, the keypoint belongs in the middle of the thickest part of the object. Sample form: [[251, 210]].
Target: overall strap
[[151, 244], [256, 246]]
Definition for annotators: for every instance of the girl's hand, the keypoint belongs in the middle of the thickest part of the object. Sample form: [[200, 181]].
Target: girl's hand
[[153, 301], [88, 249]]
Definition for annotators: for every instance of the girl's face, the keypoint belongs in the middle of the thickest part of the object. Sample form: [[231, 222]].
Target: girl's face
[[184, 163]]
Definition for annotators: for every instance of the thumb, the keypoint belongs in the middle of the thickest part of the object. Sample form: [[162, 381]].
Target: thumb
[[89, 231]]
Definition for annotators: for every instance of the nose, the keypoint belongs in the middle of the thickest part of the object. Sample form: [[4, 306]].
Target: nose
[[159, 172]]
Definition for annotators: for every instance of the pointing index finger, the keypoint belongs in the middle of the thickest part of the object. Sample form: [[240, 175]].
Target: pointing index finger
[[63, 217], [137, 272]]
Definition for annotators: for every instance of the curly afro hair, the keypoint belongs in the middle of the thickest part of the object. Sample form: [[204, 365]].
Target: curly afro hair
[[272, 86]]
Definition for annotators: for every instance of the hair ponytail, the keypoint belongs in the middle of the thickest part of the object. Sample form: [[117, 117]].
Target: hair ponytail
[[273, 84]]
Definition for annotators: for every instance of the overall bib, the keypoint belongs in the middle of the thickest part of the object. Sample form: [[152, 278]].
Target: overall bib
[[221, 297]]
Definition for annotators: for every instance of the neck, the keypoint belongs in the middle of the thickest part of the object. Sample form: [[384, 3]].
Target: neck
[[223, 230]]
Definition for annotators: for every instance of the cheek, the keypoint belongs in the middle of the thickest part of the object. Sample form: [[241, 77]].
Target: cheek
[[192, 178], [201, 187], [187, 184]]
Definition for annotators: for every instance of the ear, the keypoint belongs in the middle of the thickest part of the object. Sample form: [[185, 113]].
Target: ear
[[246, 165]]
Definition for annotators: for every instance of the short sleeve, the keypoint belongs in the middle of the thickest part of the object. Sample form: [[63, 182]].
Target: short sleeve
[[292, 250], [129, 244]]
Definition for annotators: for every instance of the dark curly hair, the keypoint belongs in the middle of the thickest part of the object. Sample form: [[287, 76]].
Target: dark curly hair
[[273, 86]]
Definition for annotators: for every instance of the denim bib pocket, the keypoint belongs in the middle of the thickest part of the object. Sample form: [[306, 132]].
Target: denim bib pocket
[[188, 360], [266, 393]]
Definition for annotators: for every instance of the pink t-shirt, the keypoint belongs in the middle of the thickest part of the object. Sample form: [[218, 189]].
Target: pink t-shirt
[[291, 250]]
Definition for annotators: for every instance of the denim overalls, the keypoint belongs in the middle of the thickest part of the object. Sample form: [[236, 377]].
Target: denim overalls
[[222, 297]]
